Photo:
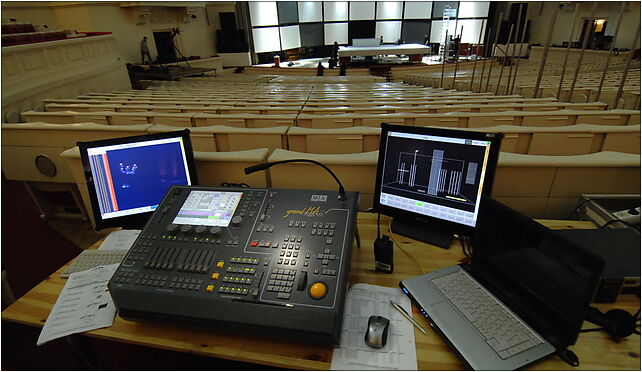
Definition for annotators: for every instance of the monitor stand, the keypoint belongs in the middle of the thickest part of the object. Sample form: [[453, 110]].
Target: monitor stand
[[429, 232]]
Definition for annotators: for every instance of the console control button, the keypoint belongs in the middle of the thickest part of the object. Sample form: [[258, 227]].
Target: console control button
[[236, 220], [318, 290]]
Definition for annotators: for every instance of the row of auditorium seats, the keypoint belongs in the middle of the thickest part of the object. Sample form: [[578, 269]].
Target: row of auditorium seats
[[15, 33], [565, 140], [540, 186], [437, 107], [584, 89], [206, 102], [547, 143], [226, 149], [450, 119]]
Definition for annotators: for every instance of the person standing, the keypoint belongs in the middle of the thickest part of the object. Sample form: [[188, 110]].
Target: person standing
[[144, 51], [334, 58]]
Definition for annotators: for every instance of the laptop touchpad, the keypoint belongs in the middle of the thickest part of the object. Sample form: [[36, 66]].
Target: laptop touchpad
[[446, 313]]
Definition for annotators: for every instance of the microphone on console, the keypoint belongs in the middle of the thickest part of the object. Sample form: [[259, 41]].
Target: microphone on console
[[264, 166], [257, 167]]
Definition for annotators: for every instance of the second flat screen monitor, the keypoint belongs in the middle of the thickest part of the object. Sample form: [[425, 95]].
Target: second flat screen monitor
[[430, 180]]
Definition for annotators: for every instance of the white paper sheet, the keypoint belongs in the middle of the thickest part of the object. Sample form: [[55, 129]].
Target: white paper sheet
[[120, 240], [83, 305], [399, 353]]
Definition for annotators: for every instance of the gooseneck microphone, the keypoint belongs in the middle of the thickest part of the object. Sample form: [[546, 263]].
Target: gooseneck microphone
[[264, 166]]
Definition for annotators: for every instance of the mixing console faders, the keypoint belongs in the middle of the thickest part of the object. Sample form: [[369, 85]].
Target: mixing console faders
[[272, 261]]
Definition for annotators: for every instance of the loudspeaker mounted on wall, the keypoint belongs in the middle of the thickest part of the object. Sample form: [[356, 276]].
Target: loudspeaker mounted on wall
[[143, 16], [190, 15]]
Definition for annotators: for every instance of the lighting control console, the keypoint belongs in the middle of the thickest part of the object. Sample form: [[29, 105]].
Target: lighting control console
[[266, 261]]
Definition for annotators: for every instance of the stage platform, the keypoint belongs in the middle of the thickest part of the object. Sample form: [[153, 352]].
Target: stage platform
[[402, 49]]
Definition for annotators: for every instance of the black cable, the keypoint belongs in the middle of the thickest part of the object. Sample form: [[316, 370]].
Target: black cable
[[614, 221], [591, 330], [469, 247], [463, 246], [264, 166]]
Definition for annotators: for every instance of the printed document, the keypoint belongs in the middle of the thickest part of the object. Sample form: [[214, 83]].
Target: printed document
[[120, 240], [83, 305], [399, 353]]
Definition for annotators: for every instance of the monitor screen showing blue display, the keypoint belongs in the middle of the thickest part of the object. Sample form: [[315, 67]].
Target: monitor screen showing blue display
[[130, 176]]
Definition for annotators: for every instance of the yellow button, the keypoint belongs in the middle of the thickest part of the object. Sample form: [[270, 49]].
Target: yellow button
[[220, 264], [318, 290], [215, 276], [210, 288]]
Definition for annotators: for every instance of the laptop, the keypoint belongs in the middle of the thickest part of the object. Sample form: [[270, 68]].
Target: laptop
[[523, 296]]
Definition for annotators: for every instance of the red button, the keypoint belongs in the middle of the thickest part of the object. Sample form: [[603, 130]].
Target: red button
[[254, 243]]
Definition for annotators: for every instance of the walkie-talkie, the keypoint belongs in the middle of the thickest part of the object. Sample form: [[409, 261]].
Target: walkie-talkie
[[383, 251]]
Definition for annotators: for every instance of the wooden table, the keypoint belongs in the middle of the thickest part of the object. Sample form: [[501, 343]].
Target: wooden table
[[595, 350]]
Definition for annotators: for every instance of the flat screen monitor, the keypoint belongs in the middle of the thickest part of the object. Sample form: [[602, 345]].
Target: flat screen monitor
[[128, 177], [430, 180]]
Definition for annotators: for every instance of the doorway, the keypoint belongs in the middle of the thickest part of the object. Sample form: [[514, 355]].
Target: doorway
[[596, 37], [164, 46]]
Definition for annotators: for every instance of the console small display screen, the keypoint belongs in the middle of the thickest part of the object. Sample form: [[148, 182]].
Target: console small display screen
[[208, 208]]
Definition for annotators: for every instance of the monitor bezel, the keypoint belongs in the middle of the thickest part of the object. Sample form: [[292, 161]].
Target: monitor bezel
[[456, 228], [135, 220]]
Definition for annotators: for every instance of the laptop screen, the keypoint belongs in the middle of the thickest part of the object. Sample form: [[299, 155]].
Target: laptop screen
[[546, 279]]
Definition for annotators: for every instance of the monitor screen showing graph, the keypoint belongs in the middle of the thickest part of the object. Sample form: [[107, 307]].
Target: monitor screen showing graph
[[435, 172]]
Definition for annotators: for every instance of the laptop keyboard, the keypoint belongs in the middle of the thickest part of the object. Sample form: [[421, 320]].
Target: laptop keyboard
[[506, 334]]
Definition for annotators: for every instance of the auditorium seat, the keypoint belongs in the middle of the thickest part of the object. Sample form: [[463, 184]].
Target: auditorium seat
[[244, 120], [568, 140], [544, 186], [128, 118], [230, 120], [493, 119], [622, 141], [23, 143], [451, 121], [325, 121], [216, 168], [334, 141], [175, 120], [31, 153], [264, 110], [201, 141], [237, 139], [60, 117]]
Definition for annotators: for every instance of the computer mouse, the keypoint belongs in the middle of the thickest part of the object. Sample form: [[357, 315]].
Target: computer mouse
[[377, 332]]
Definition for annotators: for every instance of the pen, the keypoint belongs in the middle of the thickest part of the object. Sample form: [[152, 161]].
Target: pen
[[404, 313]]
